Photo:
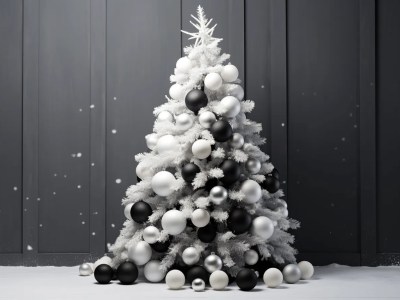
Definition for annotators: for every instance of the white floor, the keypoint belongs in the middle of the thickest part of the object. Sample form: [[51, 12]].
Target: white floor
[[330, 282]]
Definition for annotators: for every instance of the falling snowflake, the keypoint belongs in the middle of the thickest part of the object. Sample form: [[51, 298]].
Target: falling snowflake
[[115, 98], [55, 174], [29, 248], [38, 199], [73, 155], [118, 181], [80, 214], [283, 124], [79, 154], [80, 109], [83, 222], [112, 225], [65, 175], [262, 86], [54, 193], [93, 233], [343, 139], [40, 225], [15, 188], [78, 186], [27, 198], [114, 131], [92, 164], [91, 106]]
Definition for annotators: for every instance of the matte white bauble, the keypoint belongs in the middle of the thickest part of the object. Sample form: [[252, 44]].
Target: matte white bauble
[[213, 81], [237, 91], [200, 217], [102, 260], [201, 149], [230, 106], [218, 194], [176, 91], [283, 211], [127, 211], [140, 254], [190, 256], [184, 64], [251, 190], [175, 279], [262, 227], [273, 277], [237, 141], [167, 143], [142, 172], [165, 116], [153, 271], [151, 140], [229, 73], [253, 166], [163, 183], [251, 257], [206, 119], [184, 121], [306, 268], [173, 222], [219, 280], [151, 234]]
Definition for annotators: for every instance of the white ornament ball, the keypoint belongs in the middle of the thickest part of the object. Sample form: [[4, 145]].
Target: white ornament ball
[[230, 106], [263, 227], [184, 64], [151, 234], [174, 222], [153, 271], [176, 91], [142, 172], [151, 141], [237, 141], [200, 217], [252, 191], [219, 280], [127, 211], [184, 121], [103, 260], [251, 257], [165, 116], [273, 277], [175, 279], [163, 183], [212, 263], [291, 273], [201, 149], [198, 285], [253, 166], [307, 269], [167, 143], [206, 119], [236, 91], [140, 254], [213, 81], [85, 269], [218, 194], [190, 256], [229, 73]]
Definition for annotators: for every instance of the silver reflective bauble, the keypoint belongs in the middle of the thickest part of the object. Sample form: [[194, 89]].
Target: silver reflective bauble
[[253, 166], [85, 269], [237, 141], [190, 256], [184, 121], [213, 263], [153, 271], [206, 119], [198, 285], [218, 194], [151, 234], [262, 227], [251, 257], [291, 273]]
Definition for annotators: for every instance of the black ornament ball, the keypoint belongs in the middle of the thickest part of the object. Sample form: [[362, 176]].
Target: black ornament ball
[[195, 100], [197, 272], [207, 233], [246, 279], [189, 172], [221, 130], [211, 183], [231, 171], [103, 274], [239, 220], [275, 173], [127, 272], [161, 247], [140, 212], [271, 184]]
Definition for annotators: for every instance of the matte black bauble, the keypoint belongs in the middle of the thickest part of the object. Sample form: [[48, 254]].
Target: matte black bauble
[[275, 173], [211, 183], [140, 212], [246, 279], [195, 100], [231, 171], [103, 274], [221, 130], [207, 233], [271, 184], [161, 247], [189, 172], [239, 220], [197, 272], [127, 272]]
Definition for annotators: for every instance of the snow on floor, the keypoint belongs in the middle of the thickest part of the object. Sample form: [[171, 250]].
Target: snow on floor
[[329, 282]]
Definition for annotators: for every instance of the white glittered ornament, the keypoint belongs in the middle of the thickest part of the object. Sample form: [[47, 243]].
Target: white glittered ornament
[[200, 217], [142, 172], [251, 257], [218, 194], [219, 280], [176, 91], [190, 256], [230, 106], [140, 253], [252, 191], [212, 263], [291, 273], [85, 269], [167, 143], [163, 183], [229, 73], [127, 211], [262, 227], [206, 119], [153, 271], [253, 166], [184, 64], [184, 121], [151, 140], [307, 269], [175, 279], [173, 222], [201, 149], [213, 81], [151, 234], [237, 141], [165, 116], [273, 277], [236, 91]]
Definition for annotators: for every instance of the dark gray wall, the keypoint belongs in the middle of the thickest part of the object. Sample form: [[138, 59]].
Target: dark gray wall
[[79, 81]]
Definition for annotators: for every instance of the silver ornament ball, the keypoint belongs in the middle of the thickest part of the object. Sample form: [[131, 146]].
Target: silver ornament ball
[[218, 194], [190, 256], [251, 257], [213, 263], [184, 121], [237, 141], [253, 166], [206, 119], [85, 269], [291, 273], [198, 285]]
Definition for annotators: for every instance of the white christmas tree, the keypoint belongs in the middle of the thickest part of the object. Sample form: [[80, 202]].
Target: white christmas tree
[[208, 195]]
